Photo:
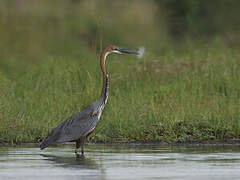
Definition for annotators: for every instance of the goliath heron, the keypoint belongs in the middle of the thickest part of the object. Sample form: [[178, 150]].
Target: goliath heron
[[79, 126]]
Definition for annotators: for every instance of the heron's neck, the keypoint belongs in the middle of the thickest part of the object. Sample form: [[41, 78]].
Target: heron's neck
[[104, 93]]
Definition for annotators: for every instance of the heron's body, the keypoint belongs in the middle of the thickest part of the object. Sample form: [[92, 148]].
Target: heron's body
[[79, 126]]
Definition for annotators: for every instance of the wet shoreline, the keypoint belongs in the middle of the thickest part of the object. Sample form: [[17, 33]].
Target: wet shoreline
[[116, 162], [204, 143]]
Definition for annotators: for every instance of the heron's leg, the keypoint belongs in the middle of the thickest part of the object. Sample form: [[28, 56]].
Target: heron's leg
[[82, 141], [78, 143], [82, 148]]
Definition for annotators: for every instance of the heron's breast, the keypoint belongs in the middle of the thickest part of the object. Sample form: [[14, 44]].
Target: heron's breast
[[100, 110]]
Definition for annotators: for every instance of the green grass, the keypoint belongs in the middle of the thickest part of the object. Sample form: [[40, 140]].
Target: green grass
[[174, 94], [183, 95]]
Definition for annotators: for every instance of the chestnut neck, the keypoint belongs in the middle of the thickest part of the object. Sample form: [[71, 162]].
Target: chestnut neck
[[105, 74]]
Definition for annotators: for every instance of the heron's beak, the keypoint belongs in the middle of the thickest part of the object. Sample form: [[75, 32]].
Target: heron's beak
[[126, 51]]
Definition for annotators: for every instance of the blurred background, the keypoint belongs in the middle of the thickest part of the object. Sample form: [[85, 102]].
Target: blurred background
[[33, 30]]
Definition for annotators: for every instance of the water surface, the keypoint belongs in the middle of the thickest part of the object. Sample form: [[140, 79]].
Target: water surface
[[121, 162]]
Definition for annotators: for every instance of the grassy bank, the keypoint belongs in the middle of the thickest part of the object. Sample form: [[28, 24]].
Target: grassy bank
[[189, 94]]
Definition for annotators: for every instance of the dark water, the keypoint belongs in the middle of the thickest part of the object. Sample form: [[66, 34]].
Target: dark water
[[121, 162]]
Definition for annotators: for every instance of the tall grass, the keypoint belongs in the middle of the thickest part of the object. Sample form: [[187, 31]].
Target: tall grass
[[173, 95], [176, 97]]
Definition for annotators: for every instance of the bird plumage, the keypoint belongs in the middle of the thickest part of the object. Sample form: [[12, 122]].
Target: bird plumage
[[73, 128], [77, 127]]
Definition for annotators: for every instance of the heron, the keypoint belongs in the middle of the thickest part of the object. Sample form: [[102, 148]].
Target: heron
[[79, 126]]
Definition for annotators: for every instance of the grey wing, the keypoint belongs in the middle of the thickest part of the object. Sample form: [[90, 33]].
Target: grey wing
[[72, 128]]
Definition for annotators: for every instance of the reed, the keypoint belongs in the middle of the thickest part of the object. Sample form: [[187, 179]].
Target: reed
[[176, 97]]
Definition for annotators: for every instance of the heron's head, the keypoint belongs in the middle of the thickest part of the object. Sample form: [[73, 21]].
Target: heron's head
[[114, 49]]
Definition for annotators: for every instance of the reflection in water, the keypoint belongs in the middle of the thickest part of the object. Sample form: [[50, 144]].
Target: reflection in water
[[78, 161], [87, 168], [121, 162]]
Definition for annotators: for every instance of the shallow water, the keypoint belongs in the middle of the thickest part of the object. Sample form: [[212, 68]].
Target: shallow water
[[121, 162]]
